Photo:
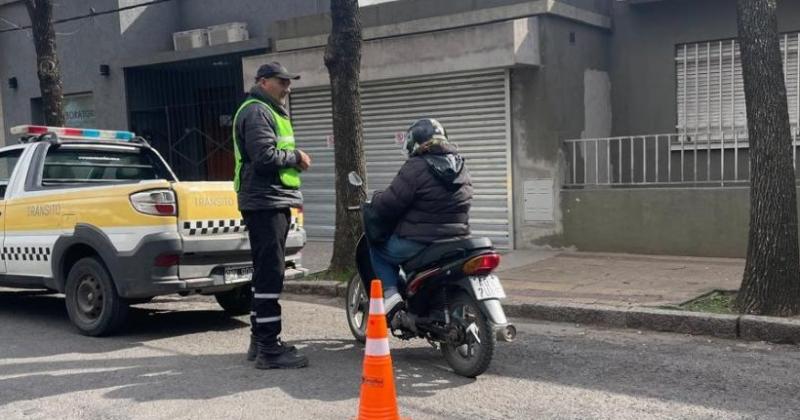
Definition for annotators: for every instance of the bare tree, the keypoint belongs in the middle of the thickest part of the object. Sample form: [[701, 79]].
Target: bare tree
[[771, 281], [343, 60], [44, 39]]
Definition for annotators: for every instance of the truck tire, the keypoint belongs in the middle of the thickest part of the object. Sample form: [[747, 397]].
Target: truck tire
[[237, 301], [93, 304]]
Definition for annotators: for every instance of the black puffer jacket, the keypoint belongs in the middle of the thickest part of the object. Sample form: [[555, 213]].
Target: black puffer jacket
[[430, 197], [260, 186]]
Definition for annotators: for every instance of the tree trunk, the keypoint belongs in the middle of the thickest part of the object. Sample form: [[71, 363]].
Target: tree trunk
[[771, 281], [44, 38], [343, 60]]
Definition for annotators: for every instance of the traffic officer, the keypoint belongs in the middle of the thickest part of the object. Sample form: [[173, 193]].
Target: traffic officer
[[267, 181]]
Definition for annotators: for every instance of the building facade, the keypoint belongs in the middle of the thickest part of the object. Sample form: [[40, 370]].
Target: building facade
[[674, 177], [595, 124]]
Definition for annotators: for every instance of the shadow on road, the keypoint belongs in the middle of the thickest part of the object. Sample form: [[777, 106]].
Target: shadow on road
[[666, 367], [201, 377], [44, 313]]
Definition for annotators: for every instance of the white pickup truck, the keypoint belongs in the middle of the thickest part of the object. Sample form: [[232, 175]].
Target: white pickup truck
[[99, 216]]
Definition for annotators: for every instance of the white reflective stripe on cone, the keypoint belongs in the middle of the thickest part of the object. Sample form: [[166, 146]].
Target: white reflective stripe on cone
[[377, 347], [268, 320], [266, 295], [253, 313], [376, 307]]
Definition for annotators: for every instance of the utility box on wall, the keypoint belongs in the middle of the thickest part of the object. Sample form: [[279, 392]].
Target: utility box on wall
[[227, 33], [187, 40], [539, 201]]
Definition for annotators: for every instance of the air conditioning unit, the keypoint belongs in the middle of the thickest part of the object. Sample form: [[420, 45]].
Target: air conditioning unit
[[187, 40], [227, 33]]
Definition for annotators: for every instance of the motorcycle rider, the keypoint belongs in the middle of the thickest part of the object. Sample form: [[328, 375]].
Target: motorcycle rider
[[428, 200]]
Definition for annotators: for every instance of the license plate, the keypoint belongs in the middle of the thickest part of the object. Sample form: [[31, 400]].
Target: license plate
[[239, 274], [487, 287]]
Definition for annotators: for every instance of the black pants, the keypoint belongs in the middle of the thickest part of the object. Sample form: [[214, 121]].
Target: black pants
[[267, 230]]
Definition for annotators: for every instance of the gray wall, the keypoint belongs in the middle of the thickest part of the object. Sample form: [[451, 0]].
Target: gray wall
[[258, 14], [82, 46], [402, 11], [680, 221], [697, 221], [85, 44], [548, 104], [2, 123], [643, 54]]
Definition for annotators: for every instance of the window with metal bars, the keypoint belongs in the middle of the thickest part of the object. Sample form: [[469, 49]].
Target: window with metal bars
[[710, 89]]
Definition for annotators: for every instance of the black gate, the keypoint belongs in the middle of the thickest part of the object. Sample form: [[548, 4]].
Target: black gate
[[185, 110]]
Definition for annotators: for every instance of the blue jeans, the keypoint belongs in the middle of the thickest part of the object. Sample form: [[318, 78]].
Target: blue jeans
[[387, 257]]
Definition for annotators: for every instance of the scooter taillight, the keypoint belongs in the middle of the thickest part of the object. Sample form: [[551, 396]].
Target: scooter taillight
[[481, 265]]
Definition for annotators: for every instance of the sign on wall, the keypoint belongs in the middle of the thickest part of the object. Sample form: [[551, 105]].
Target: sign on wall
[[79, 111]]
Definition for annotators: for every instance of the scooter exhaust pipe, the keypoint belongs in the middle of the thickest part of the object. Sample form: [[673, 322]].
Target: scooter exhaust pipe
[[507, 333]]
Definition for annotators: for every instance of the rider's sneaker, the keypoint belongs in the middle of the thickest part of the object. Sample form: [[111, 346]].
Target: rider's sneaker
[[393, 304]]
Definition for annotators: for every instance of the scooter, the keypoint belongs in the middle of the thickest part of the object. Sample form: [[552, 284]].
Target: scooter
[[451, 298]]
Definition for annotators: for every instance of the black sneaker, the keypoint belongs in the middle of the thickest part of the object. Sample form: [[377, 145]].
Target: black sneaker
[[278, 356], [252, 350]]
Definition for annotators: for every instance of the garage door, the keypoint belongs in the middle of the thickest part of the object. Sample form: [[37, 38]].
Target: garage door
[[471, 106]]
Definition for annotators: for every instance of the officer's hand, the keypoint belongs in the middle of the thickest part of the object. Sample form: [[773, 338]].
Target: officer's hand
[[305, 161]]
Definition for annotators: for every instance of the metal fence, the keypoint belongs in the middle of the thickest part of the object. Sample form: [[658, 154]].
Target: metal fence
[[185, 109], [697, 159]]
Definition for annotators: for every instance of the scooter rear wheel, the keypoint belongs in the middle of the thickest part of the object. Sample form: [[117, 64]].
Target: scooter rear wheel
[[472, 355], [357, 307]]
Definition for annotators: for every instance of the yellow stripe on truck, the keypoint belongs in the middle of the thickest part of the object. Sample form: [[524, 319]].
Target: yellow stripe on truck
[[206, 201], [202, 202], [104, 207]]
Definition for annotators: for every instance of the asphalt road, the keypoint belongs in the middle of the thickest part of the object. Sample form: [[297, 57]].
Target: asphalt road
[[183, 359]]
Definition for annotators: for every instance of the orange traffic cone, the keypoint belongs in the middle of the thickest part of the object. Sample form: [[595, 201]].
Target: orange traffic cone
[[378, 394]]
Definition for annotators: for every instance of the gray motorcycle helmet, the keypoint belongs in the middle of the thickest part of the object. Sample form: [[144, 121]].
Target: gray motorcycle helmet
[[421, 131]]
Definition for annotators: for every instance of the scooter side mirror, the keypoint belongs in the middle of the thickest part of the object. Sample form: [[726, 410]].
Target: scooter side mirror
[[354, 179]]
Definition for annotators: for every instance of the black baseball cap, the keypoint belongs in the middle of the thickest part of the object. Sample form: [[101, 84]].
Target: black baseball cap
[[275, 69]]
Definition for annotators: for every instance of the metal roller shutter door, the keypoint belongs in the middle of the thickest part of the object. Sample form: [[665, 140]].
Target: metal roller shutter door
[[473, 107], [710, 89]]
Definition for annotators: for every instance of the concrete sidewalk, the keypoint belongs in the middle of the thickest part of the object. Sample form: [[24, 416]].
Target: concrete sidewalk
[[614, 279], [590, 278], [615, 290]]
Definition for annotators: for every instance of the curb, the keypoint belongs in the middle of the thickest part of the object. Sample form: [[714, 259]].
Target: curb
[[764, 328], [663, 320], [744, 327], [315, 287]]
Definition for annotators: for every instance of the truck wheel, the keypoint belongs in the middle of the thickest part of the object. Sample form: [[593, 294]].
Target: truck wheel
[[92, 301], [236, 302]]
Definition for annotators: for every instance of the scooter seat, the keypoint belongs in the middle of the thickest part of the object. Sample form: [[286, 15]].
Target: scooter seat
[[448, 249]]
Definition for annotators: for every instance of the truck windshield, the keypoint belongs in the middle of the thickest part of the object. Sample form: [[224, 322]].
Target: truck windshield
[[82, 165]]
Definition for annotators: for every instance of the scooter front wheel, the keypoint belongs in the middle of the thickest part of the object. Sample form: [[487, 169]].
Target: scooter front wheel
[[357, 307], [470, 351]]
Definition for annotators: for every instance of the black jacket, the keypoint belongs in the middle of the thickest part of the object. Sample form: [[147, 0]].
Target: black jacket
[[260, 187], [430, 197]]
